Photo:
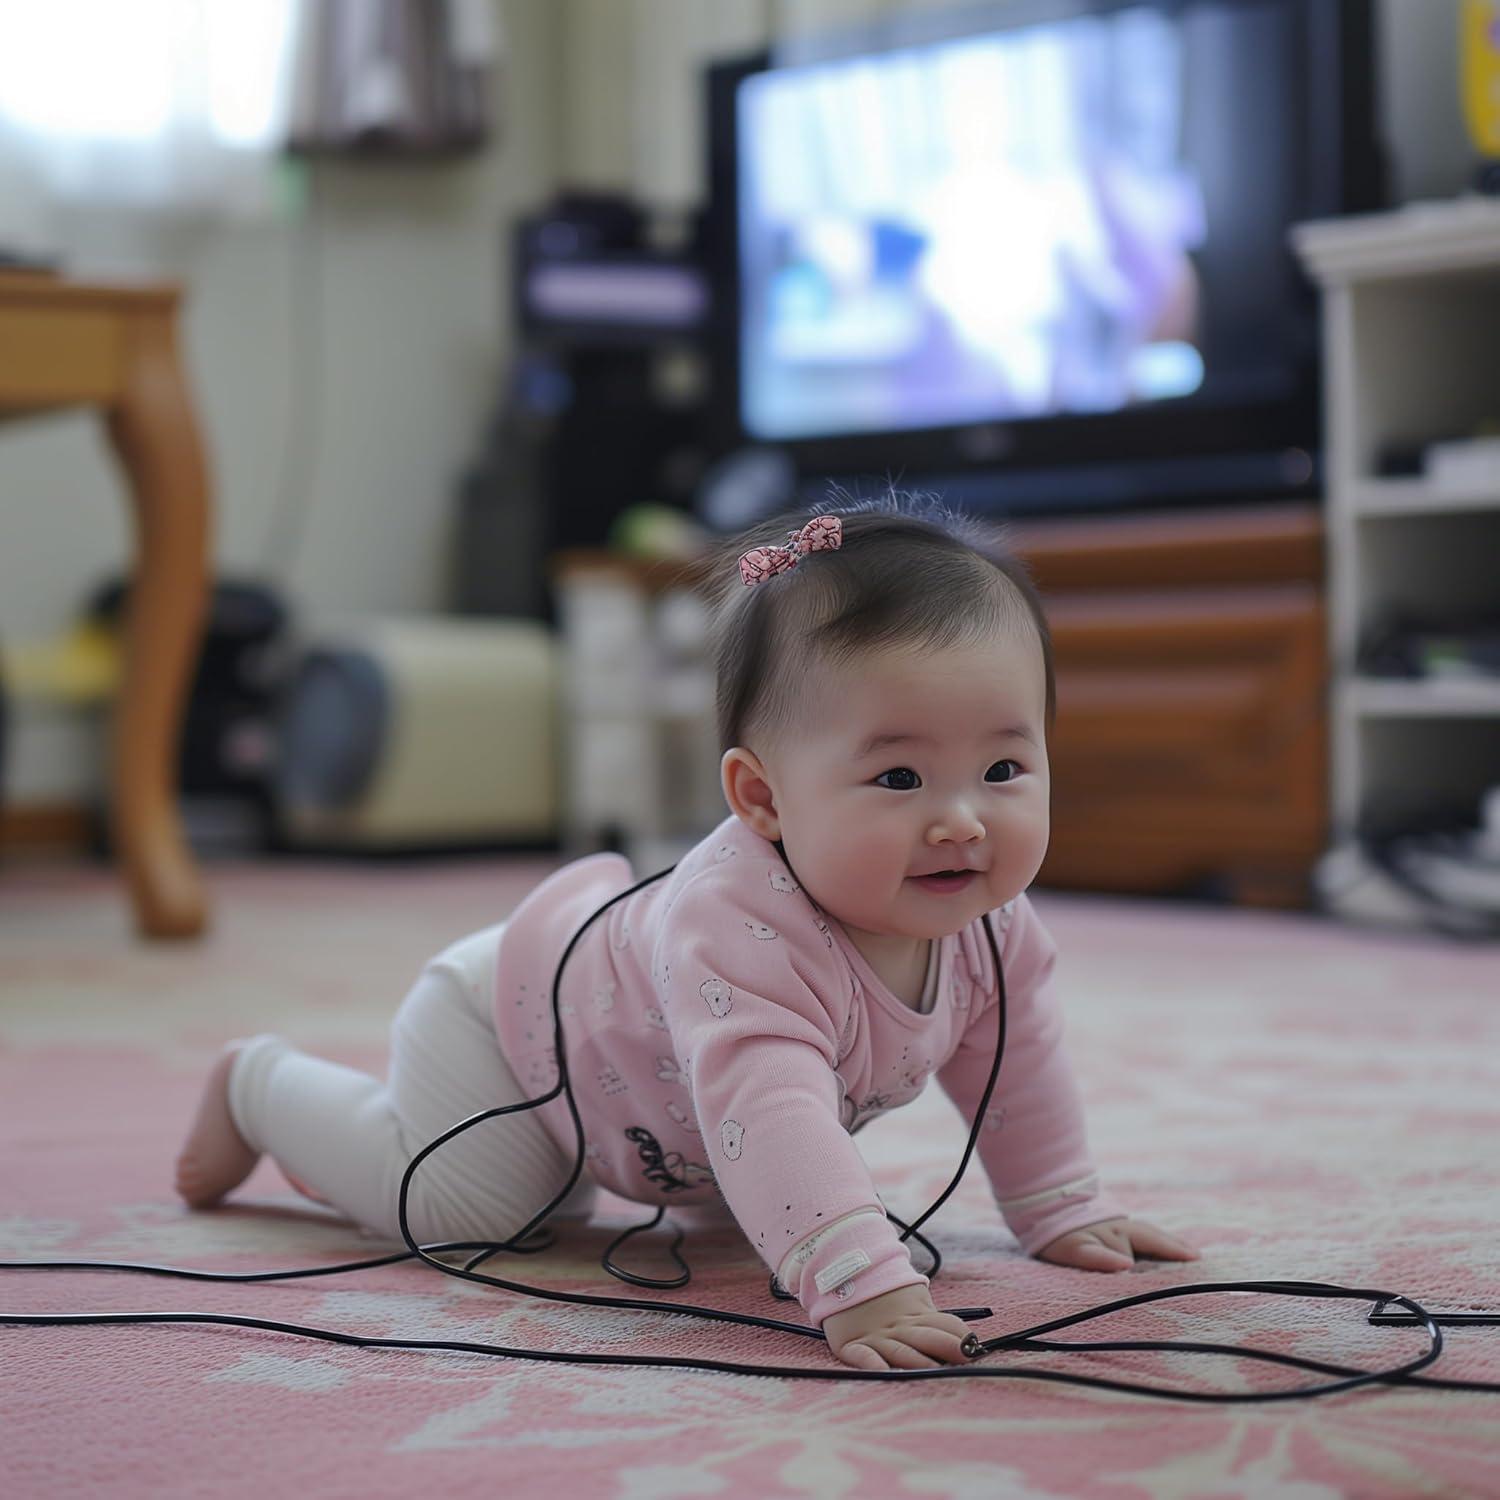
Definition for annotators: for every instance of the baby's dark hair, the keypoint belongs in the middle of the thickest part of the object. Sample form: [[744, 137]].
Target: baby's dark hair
[[910, 573]]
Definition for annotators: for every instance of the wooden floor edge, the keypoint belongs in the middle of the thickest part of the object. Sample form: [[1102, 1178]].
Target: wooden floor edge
[[50, 827]]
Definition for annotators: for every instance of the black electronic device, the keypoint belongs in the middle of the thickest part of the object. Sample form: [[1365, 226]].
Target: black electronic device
[[604, 405], [1043, 264], [228, 746], [588, 272]]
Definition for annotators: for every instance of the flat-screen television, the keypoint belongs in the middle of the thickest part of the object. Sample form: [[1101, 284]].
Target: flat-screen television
[[1040, 261]]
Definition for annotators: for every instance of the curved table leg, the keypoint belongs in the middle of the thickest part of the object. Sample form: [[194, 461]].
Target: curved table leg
[[156, 437]]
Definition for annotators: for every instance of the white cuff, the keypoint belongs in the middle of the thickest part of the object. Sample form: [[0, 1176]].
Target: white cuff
[[1083, 1187], [803, 1249]]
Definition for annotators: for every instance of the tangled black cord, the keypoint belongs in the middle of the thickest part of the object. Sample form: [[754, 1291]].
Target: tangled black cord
[[520, 1243]]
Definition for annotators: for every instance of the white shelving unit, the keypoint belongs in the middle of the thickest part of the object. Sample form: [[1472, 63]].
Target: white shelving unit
[[641, 757], [1411, 342]]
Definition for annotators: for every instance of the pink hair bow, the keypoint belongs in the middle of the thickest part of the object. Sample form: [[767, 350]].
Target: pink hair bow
[[821, 534]]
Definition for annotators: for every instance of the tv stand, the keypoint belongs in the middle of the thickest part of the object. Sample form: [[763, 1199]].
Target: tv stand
[[1189, 751], [1269, 475]]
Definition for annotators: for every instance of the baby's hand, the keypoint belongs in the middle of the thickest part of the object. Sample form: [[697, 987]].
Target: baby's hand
[[898, 1330], [1112, 1245]]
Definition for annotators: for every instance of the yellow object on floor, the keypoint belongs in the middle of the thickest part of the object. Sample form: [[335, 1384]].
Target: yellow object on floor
[[80, 667]]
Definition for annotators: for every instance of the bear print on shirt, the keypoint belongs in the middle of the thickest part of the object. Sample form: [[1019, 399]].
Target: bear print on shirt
[[720, 996]]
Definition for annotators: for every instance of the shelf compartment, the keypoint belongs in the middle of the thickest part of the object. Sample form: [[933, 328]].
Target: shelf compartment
[[1425, 698], [1398, 498], [1438, 567], [1423, 362], [1425, 770]]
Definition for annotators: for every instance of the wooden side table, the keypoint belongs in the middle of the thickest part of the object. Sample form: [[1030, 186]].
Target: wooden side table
[[66, 344]]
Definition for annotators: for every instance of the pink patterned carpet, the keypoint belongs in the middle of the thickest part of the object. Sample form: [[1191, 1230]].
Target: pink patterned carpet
[[1300, 1101]]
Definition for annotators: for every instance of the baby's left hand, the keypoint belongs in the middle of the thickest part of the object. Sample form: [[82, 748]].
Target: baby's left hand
[[1112, 1245]]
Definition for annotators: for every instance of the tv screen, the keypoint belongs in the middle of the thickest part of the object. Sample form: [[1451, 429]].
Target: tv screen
[[1078, 211]]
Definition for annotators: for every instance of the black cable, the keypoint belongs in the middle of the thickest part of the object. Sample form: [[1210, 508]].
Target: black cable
[[1026, 1340], [1400, 1374], [186, 1275]]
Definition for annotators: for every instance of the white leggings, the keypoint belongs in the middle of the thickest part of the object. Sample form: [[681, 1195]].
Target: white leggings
[[347, 1138]]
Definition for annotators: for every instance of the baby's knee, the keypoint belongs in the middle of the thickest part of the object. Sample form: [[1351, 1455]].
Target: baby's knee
[[439, 1214]]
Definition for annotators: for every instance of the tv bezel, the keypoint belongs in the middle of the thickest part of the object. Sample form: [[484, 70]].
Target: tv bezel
[[1138, 445]]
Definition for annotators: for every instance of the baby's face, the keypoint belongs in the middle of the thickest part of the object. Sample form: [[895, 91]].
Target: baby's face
[[967, 789]]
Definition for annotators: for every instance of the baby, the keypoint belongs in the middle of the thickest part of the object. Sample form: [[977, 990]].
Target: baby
[[884, 690]]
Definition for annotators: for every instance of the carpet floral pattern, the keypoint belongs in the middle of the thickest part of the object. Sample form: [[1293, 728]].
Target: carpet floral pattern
[[1300, 1101]]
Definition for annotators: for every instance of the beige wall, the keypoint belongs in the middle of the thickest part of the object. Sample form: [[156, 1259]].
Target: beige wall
[[632, 67], [1421, 110], [368, 335]]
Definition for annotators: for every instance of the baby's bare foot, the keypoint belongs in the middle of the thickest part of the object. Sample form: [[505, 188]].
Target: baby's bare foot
[[215, 1158]]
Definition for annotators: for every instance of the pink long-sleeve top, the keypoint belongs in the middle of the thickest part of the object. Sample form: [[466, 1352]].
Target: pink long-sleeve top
[[725, 1038]]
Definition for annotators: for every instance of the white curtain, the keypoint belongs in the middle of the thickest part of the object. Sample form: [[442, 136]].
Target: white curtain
[[172, 106]]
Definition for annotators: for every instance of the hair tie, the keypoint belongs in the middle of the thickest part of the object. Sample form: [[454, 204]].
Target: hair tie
[[821, 534]]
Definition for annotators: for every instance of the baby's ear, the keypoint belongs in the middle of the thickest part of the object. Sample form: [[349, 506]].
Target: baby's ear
[[748, 791]]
